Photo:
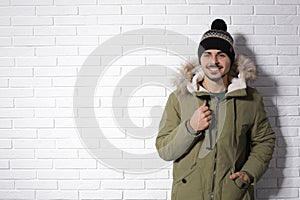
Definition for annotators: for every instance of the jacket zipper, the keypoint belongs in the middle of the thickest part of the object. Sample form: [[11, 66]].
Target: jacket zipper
[[216, 150]]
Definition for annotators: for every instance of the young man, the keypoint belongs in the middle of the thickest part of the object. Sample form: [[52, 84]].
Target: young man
[[214, 126]]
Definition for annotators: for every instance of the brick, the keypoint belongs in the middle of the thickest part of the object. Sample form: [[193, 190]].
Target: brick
[[253, 20], [34, 103], [143, 9], [103, 51], [75, 20], [17, 11], [286, 110], [34, 21], [16, 31], [36, 61], [15, 195], [102, 174], [123, 184], [166, 40], [34, 41], [56, 10], [56, 154], [275, 10], [57, 133], [79, 185], [277, 71], [5, 144], [17, 174], [282, 193], [252, 2], [15, 154], [5, 124], [160, 184], [288, 60], [287, 2], [16, 93], [100, 10], [16, 51], [15, 72], [275, 30], [291, 80], [16, 113], [4, 3], [290, 20], [33, 123], [36, 185], [4, 21], [76, 144], [122, 2], [31, 2], [289, 121], [163, 2], [54, 194], [56, 51], [100, 194], [232, 10], [279, 50], [55, 72], [7, 185], [77, 40], [271, 91], [54, 92], [69, 123], [256, 40], [30, 82], [6, 62], [120, 19], [289, 183], [4, 83], [5, 41], [158, 174], [216, 2], [288, 101], [198, 19], [79, 60], [17, 134], [58, 174], [74, 2], [146, 194], [31, 164], [190, 9], [55, 30], [34, 144], [75, 164], [288, 40]]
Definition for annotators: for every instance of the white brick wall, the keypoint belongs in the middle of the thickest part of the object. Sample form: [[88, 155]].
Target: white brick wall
[[51, 53]]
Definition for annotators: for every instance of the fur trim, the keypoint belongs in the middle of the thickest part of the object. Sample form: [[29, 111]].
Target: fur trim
[[190, 74]]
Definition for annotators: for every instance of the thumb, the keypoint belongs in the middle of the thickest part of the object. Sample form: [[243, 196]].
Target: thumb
[[204, 103]]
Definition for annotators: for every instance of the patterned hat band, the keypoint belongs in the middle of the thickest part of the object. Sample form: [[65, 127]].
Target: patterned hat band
[[218, 34]]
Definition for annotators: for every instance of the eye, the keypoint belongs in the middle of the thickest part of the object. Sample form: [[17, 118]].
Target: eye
[[222, 55]]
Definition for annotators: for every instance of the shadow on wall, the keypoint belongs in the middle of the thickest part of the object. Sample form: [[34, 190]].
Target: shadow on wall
[[270, 184]]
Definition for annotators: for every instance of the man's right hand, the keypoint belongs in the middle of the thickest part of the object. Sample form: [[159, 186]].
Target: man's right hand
[[201, 118]]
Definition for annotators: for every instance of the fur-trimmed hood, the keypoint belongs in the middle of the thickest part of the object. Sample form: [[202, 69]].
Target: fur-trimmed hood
[[191, 73]]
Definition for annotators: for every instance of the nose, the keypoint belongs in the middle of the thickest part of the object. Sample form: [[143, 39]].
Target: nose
[[214, 59]]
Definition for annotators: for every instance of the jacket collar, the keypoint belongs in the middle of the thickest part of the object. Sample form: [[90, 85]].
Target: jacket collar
[[191, 74]]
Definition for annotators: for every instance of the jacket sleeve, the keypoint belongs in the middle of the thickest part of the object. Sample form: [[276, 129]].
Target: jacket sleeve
[[262, 143], [174, 137]]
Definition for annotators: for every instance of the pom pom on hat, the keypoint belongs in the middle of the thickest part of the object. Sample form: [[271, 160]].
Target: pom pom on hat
[[219, 24]]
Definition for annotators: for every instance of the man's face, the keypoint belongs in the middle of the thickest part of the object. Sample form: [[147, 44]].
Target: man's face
[[215, 64]]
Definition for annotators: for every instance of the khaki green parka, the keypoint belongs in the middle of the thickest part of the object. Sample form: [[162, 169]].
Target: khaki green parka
[[239, 138]]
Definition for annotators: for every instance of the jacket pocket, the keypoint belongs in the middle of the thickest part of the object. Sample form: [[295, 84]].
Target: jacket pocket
[[233, 189], [188, 187]]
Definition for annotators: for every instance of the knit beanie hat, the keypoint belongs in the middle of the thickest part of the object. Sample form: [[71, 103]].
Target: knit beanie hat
[[217, 38]]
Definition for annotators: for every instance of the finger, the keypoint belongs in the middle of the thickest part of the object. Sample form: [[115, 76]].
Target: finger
[[203, 104], [234, 176]]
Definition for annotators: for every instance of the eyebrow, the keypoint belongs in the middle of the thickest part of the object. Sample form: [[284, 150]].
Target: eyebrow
[[219, 52]]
